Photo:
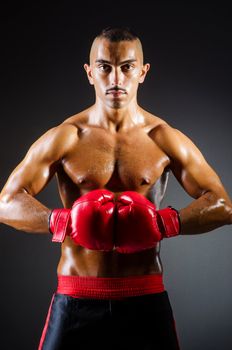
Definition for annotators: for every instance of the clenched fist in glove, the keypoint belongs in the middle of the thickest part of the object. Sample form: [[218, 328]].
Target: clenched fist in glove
[[128, 225], [90, 221], [139, 225]]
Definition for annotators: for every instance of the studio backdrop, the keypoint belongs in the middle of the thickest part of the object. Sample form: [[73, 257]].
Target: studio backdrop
[[43, 49]]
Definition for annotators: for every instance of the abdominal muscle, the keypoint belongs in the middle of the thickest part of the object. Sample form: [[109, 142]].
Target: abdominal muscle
[[79, 261]]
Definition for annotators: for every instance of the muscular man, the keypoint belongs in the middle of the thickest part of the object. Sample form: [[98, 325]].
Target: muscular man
[[112, 162]]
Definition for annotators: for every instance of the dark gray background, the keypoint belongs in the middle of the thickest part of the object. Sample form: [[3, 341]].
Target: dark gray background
[[43, 49]]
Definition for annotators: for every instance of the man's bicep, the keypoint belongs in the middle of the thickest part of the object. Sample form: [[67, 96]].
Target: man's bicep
[[197, 177], [28, 177], [192, 170], [36, 169]]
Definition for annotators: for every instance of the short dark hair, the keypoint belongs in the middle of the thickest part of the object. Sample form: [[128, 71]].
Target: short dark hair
[[118, 34]]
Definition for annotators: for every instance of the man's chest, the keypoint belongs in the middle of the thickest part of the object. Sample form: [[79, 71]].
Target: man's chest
[[115, 161]]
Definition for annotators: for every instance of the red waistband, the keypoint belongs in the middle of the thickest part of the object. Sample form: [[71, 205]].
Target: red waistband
[[109, 287]]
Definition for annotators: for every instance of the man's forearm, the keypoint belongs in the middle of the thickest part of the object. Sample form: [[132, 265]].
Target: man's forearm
[[25, 213], [205, 214]]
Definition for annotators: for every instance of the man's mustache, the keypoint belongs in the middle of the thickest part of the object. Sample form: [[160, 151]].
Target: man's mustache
[[115, 88]]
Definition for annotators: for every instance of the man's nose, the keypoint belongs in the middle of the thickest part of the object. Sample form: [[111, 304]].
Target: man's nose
[[116, 77]]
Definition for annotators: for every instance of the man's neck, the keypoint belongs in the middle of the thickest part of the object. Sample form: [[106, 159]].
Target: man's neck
[[116, 119]]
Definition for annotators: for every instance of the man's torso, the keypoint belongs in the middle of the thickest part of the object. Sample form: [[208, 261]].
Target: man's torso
[[125, 160]]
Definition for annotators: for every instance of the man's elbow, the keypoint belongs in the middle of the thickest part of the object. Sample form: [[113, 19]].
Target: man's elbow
[[227, 208], [9, 203], [224, 210], [5, 198], [217, 208]]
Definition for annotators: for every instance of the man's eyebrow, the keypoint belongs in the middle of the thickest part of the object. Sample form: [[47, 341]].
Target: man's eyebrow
[[100, 60]]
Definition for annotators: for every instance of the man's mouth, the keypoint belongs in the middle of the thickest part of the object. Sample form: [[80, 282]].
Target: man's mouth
[[116, 92]]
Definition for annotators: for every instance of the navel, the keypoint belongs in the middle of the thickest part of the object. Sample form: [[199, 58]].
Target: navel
[[145, 181], [81, 179]]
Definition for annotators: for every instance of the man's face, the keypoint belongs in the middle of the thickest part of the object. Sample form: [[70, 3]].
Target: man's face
[[115, 70]]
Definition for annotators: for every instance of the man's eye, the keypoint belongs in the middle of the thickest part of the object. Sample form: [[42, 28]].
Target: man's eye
[[126, 67], [104, 68]]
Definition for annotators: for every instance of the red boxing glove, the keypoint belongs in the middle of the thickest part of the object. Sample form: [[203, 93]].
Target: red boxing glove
[[90, 221], [140, 226]]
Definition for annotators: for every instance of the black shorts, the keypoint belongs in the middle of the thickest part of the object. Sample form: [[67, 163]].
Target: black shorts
[[139, 322]]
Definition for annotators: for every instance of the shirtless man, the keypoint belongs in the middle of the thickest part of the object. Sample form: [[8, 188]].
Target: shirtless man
[[113, 146]]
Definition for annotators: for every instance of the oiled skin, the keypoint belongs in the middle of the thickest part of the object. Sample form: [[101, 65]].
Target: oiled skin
[[117, 145], [112, 163]]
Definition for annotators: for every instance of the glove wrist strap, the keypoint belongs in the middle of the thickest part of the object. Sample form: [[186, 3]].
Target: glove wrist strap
[[58, 224], [169, 220]]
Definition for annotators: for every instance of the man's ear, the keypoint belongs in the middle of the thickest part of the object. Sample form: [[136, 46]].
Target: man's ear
[[89, 73], [143, 72]]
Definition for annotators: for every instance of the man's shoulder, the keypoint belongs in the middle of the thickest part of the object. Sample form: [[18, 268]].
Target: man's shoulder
[[158, 127], [58, 133], [172, 141], [55, 141], [76, 120], [67, 127], [166, 136]]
